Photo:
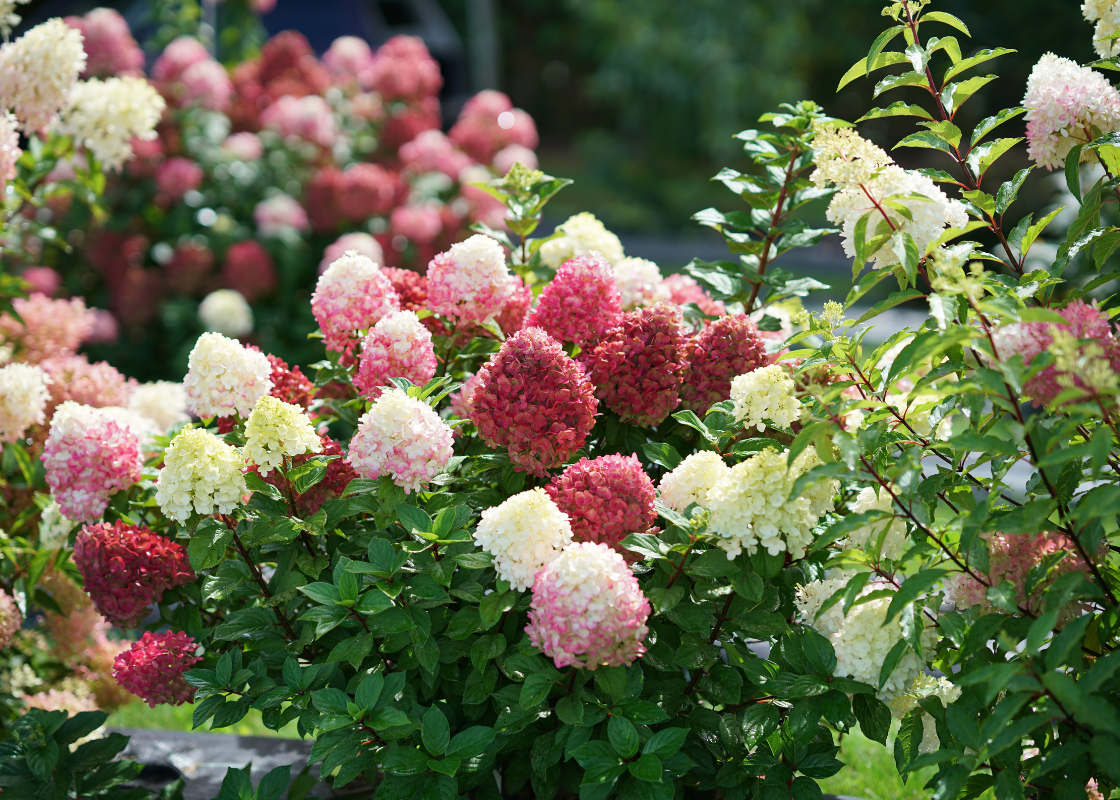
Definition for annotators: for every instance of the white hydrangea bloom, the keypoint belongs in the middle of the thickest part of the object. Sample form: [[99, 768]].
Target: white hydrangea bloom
[[104, 116], [276, 429], [9, 19], [1065, 104], [38, 70], [225, 378], [54, 529], [524, 534], [639, 282], [143, 428], [163, 402], [922, 686], [1106, 13], [860, 639], [23, 399], [690, 481], [750, 505], [765, 394], [582, 234], [844, 158], [202, 474], [226, 311], [892, 532]]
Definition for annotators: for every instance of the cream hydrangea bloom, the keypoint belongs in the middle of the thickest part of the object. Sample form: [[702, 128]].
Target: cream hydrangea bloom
[[201, 474], [524, 534], [163, 402], [276, 429], [104, 116], [38, 70], [23, 399], [9, 19], [765, 394], [1106, 13], [54, 529], [639, 283], [892, 532], [690, 481], [844, 158], [225, 378], [582, 234], [920, 687], [225, 311]]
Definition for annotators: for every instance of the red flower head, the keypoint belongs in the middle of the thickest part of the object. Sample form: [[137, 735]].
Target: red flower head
[[334, 483], [248, 269], [412, 287], [581, 303], [188, 267], [728, 347], [152, 669]]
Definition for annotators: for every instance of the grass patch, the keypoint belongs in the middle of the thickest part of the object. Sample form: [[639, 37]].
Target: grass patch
[[870, 772], [178, 718]]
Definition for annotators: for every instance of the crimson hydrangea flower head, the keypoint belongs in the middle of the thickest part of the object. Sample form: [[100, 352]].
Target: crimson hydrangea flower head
[[535, 401], [351, 295], [638, 367], [290, 384], [516, 308], [581, 303], [606, 499], [728, 347], [152, 669], [411, 287], [398, 346], [248, 269], [126, 568], [588, 610]]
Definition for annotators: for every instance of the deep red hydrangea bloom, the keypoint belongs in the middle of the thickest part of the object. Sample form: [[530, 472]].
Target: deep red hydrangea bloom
[[368, 190], [322, 198], [412, 287], [248, 269], [290, 384], [581, 303], [152, 669], [126, 568], [639, 365], [728, 347], [535, 401], [188, 267], [606, 499]]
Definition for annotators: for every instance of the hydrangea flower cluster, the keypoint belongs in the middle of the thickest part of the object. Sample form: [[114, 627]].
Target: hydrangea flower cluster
[[684, 289], [352, 295], [98, 385], [290, 384], [10, 618], [471, 281], [401, 437], [524, 533], [1064, 102], [309, 118], [39, 70], [583, 234], [54, 529], [844, 158], [892, 533], [152, 669], [225, 378], [588, 610], [751, 508], [201, 474], [366, 245], [763, 394], [728, 347], [580, 304], [88, 457], [126, 568], [639, 283], [923, 686], [277, 215], [277, 429], [23, 399], [398, 346], [48, 327], [1106, 13], [489, 123], [163, 402], [9, 147], [104, 116], [225, 311], [606, 499], [248, 269], [860, 639], [690, 481], [535, 401], [109, 44], [639, 366]]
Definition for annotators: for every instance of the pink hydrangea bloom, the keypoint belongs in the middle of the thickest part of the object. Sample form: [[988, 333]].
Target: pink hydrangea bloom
[[177, 176], [588, 610], [244, 146], [684, 289], [398, 346], [350, 58], [489, 123], [401, 437], [97, 385], [516, 309], [278, 214], [152, 669], [432, 151], [1064, 102], [535, 401], [361, 243], [248, 269], [404, 69], [728, 347], [638, 367], [109, 45], [105, 329], [460, 401], [421, 224], [127, 568], [9, 148], [606, 499], [367, 190], [177, 56], [10, 618], [49, 327], [512, 154], [88, 457], [352, 295], [1029, 339], [581, 303], [309, 118], [206, 84], [43, 280], [471, 281]]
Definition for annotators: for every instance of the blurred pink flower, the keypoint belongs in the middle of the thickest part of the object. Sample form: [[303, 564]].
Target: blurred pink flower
[[43, 280], [514, 154], [361, 243], [420, 224], [278, 214], [109, 45], [350, 57], [48, 328], [177, 56], [206, 84], [432, 151], [404, 69], [177, 176], [248, 269], [488, 123], [244, 146], [309, 118]]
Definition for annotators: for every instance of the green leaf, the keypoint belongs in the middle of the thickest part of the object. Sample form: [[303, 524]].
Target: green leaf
[[257, 484], [354, 650], [897, 109], [908, 740], [895, 299], [646, 768], [1007, 193], [954, 95], [804, 788], [666, 742], [895, 81], [873, 716], [664, 455], [877, 47], [928, 139], [818, 652], [569, 710], [759, 721], [275, 783], [623, 736], [948, 19], [435, 732], [207, 545], [989, 124], [969, 63], [1034, 230], [861, 67], [413, 518], [984, 155]]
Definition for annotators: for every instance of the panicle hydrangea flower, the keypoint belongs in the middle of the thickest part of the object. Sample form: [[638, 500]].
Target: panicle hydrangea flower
[[860, 639], [352, 295], [588, 610], [54, 529], [432, 151], [201, 474], [37, 72], [278, 214], [398, 346], [309, 118], [74, 699], [349, 57], [1106, 13], [525, 533], [108, 42], [206, 84], [729, 347], [891, 531], [23, 399], [750, 508], [177, 56], [224, 377], [48, 328], [930, 216], [88, 457], [43, 280], [638, 367], [152, 669], [126, 568], [244, 146], [488, 123], [225, 311], [516, 309], [767, 393], [535, 401], [163, 402], [920, 687], [276, 429], [420, 224], [177, 176], [9, 147], [690, 480], [366, 190], [248, 269], [403, 69], [583, 234], [363, 244], [105, 116], [98, 385], [844, 158], [9, 19], [512, 154], [684, 289], [639, 283], [289, 383], [1064, 101], [606, 499], [580, 304], [10, 618], [460, 401], [401, 437], [471, 281]]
